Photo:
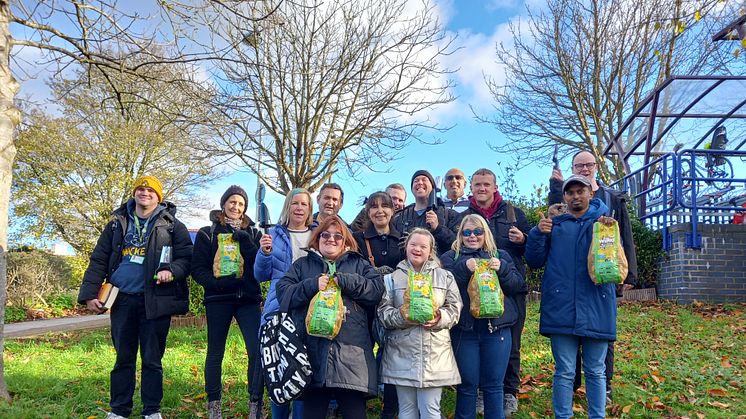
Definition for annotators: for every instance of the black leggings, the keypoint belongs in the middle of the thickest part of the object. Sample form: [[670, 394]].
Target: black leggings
[[219, 316], [316, 402]]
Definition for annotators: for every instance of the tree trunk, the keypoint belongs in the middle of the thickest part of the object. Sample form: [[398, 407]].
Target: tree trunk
[[9, 118]]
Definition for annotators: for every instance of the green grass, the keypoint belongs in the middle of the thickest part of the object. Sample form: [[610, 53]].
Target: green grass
[[672, 361]]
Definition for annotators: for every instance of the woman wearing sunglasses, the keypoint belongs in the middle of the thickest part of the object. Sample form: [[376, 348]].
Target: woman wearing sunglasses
[[482, 345], [343, 367]]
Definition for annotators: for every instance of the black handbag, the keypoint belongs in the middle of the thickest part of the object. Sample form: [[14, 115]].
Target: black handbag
[[287, 370]]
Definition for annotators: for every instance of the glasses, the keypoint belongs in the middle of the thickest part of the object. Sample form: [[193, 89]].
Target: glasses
[[579, 166], [452, 177], [477, 232], [327, 235]]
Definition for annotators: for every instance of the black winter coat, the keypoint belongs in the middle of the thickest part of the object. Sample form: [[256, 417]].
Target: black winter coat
[[448, 219], [511, 283], [347, 360], [616, 202], [385, 247], [500, 226], [233, 290], [162, 299]]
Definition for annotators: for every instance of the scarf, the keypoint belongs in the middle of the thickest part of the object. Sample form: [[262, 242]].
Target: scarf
[[236, 224], [489, 211]]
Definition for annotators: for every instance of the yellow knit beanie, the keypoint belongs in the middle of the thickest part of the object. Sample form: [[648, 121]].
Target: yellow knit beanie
[[151, 182]]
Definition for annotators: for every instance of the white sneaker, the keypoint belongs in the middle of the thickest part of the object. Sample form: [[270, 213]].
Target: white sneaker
[[510, 405], [156, 415], [112, 415], [480, 402]]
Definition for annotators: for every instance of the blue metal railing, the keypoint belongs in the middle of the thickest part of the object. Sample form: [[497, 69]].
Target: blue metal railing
[[694, 186]]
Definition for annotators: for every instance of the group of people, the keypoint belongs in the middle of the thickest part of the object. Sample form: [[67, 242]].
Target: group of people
[[147, 253]]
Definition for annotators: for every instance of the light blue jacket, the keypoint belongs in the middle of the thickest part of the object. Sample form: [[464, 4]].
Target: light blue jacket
[[273, 267]]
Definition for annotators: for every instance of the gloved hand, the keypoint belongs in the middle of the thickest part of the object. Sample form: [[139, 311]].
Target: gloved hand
[[242, 236], [245, 240]]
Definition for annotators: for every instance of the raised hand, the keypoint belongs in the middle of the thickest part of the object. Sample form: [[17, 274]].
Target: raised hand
[[516, 236], [265, 243], [545, 224]]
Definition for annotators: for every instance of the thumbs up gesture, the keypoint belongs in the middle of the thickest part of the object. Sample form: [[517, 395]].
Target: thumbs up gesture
[[545, 223]]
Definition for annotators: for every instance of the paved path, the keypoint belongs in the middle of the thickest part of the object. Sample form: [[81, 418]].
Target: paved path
[[40, 327]]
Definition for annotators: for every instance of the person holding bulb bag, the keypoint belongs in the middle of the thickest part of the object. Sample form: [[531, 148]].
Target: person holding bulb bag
[[482, 344]]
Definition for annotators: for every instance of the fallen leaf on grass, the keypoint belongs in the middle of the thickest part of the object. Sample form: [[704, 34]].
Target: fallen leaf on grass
[[717, 392], [200, 396], [725, 362], [577, 408], [92, 417], [701, 415], [719, 404], [627, 408], [657, 377]]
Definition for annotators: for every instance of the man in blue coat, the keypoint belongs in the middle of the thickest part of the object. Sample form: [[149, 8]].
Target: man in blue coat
[[574, 311]]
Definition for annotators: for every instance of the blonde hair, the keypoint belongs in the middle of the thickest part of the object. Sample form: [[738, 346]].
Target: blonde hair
[[421, 231], [284, 218], [479, 221]]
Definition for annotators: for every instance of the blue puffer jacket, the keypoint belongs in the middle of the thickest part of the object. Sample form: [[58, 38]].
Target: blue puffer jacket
[[273, 267], [571, 303]]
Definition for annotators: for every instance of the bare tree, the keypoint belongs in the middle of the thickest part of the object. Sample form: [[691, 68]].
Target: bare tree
[[583, 65], [72, 169], [102, 36], [321, 86]]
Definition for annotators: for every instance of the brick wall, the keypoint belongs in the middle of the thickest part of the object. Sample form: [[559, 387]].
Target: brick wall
[[715, 273]]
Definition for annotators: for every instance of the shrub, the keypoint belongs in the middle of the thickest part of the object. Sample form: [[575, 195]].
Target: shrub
[[14, 314], [649, 250], [36, 276], [196, 296]]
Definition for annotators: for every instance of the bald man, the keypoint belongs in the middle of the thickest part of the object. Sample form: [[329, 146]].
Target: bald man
[[455, 184]]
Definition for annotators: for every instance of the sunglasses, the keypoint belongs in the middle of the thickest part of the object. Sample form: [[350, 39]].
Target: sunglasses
[[327, 235], [477, 232], [452, 177]]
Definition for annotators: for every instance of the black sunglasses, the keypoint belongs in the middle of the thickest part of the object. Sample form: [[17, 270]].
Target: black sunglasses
[[477, 232], [452, 177]]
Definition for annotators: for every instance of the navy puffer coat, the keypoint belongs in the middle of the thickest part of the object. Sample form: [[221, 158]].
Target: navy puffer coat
[[571, 303]]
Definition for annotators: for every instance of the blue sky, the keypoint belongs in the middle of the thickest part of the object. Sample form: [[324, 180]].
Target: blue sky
[[478, 26]]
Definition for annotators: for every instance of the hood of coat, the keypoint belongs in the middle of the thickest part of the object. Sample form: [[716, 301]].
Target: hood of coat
[[215, 214], [125, 209]]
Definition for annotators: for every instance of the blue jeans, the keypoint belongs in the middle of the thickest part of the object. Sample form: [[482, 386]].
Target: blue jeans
[[564, 351], [219, 317], [283, 412], [482, 359], [130, 329]]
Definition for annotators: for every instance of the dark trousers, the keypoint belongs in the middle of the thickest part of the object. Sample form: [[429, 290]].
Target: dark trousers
[[130, 329], [316, 402], [219, 316], [512, 381], [390, 399], [609, 362]]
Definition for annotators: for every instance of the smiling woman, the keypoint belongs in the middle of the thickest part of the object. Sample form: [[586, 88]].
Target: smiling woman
[[353, 376]]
